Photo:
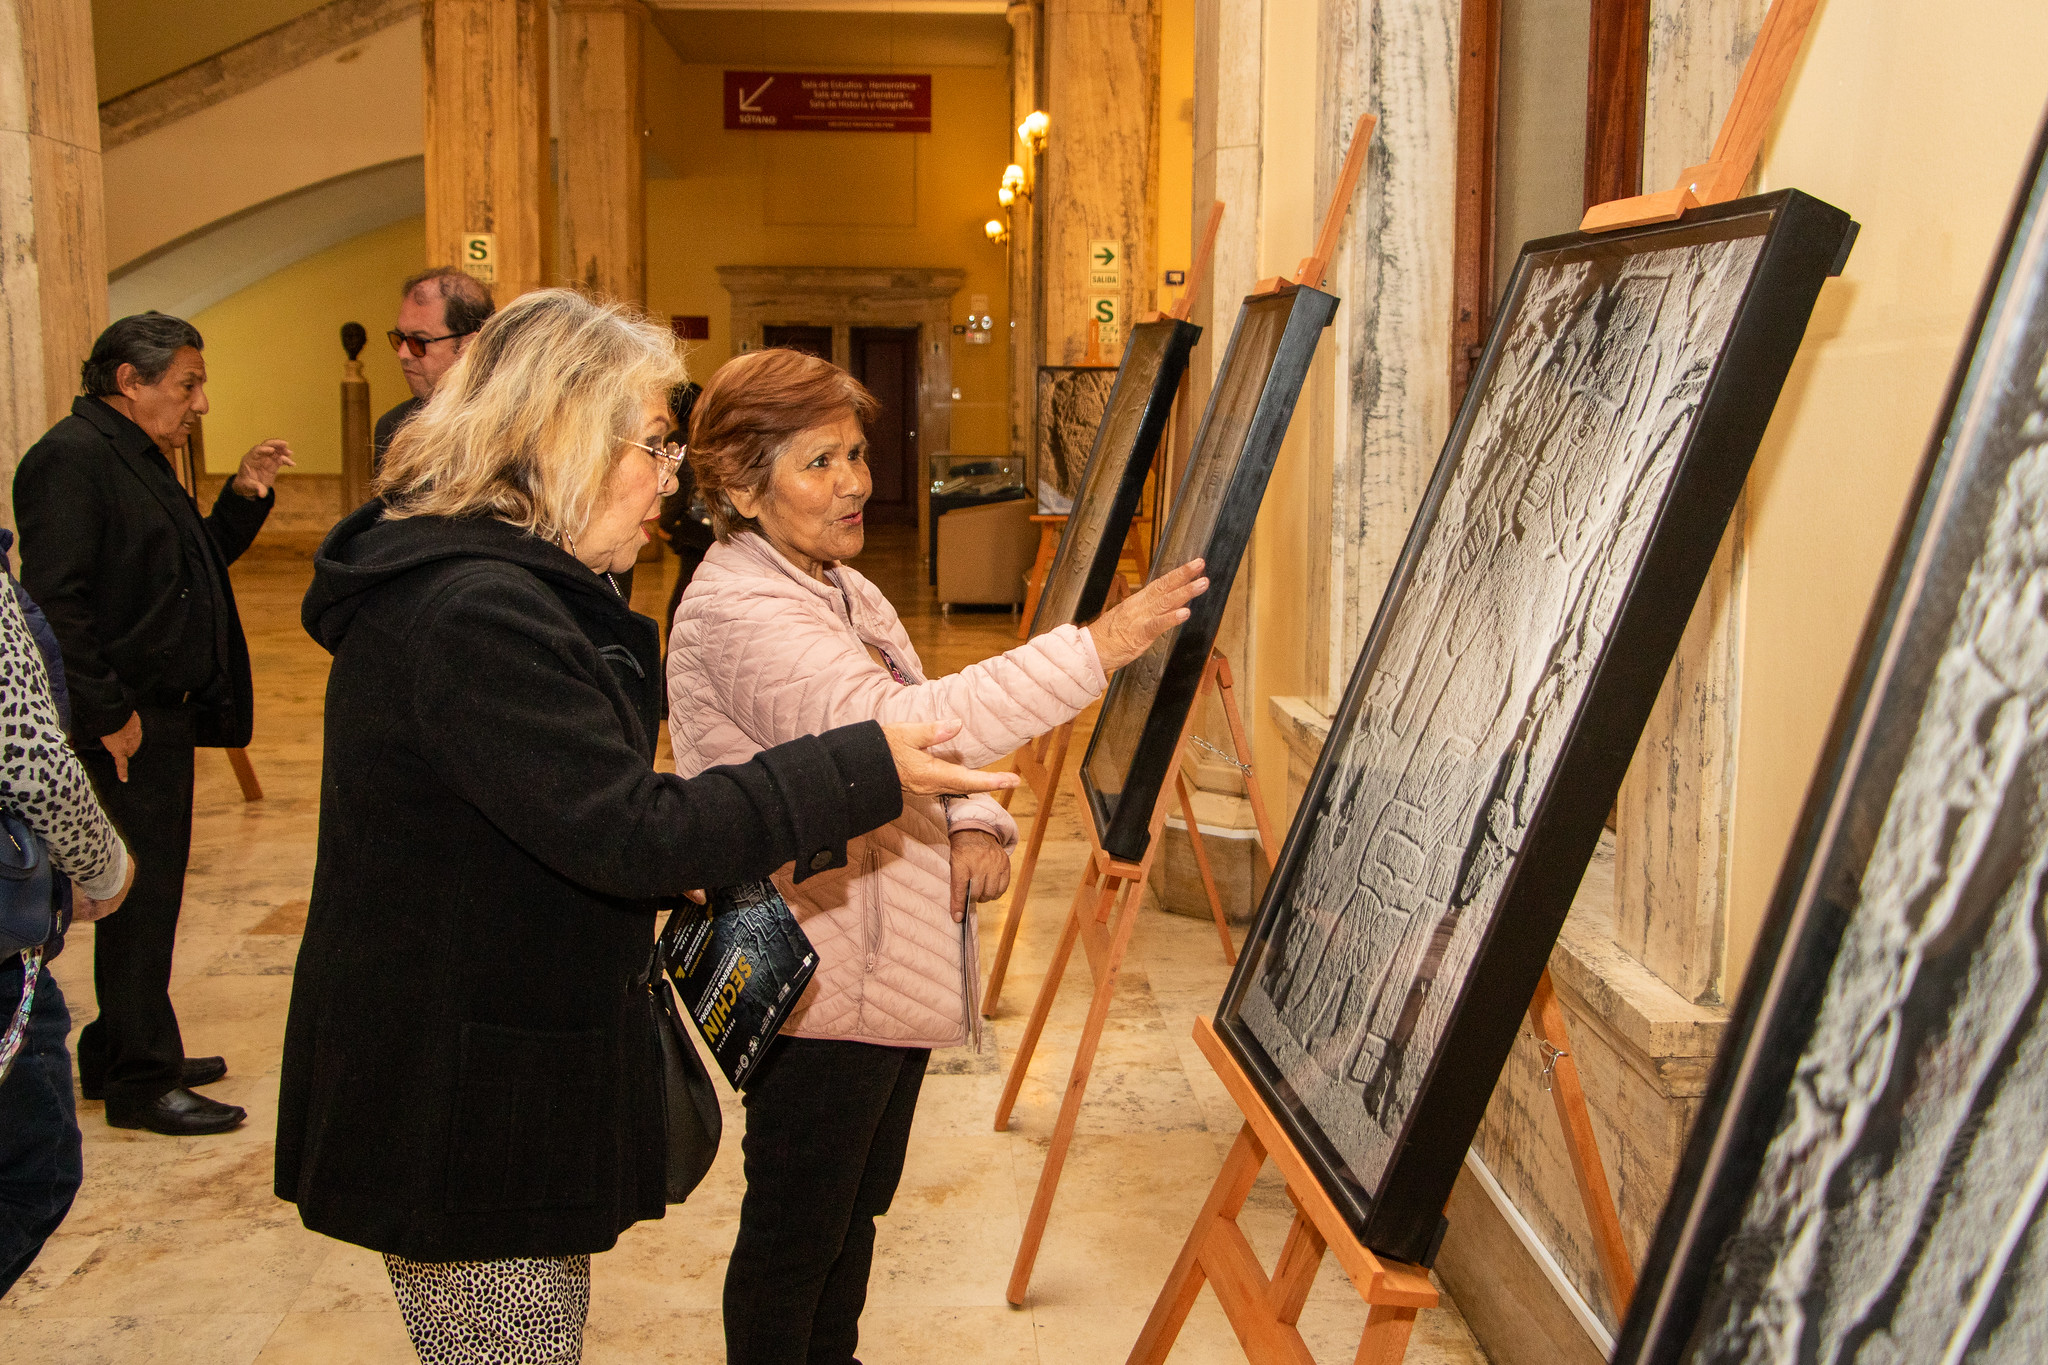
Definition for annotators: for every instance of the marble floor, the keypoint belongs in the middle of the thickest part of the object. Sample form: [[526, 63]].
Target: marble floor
[[177, 1251]]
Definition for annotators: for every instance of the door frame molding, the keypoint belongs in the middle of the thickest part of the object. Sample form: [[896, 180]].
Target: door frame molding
[[847, 297]]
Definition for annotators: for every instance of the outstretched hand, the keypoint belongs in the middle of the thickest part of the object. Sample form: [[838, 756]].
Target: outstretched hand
[[1123, 634], [259, 467], [923, 775]]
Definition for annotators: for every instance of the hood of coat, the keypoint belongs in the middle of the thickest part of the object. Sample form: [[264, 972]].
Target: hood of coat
[[364, 551]]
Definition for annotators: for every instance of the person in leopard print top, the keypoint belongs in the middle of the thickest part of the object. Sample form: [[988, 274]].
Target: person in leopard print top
[[42, 782]]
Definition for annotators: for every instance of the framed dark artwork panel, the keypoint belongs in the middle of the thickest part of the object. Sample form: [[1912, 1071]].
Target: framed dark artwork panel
[[1865, 1181], [1071, 401], [1133, 420], [1505, 681], [1131, 754]]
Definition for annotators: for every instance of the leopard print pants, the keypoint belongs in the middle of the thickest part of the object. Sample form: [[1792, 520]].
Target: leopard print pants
[[518, 1311]]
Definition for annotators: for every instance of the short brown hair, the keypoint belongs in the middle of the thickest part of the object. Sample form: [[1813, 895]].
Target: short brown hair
[[465, 300], [754, 406]]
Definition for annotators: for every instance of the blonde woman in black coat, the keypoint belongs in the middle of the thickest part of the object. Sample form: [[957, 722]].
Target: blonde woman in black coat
[[470, 1079]]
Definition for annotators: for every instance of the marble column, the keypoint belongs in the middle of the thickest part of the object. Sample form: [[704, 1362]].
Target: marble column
[[1391, 401], [53, 273], [602, 152], [485, 66], [1097, 178], [1673, 831]]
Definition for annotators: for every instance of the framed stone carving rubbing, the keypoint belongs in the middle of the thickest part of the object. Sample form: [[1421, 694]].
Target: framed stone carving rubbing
[[1071, 400], [1132, 751], [1133, 420], [1505, 681], [1865, 1181]]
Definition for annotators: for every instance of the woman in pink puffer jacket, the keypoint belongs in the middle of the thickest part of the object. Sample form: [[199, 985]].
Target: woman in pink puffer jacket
[[776, 638]]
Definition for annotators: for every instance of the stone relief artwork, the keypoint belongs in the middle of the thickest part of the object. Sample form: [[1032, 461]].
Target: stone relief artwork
[[1125, 445], [1476, 689], [1071, 400], [1868, 1184], [1213, 510], [1508, 609]]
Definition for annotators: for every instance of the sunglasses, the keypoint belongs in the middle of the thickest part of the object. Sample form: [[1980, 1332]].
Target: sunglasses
[[416, 346]]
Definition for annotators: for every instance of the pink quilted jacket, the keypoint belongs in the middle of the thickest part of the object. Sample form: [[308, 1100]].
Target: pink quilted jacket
[[760, 654]]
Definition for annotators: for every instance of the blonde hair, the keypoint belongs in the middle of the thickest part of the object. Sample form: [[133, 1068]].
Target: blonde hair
[[528, 424]]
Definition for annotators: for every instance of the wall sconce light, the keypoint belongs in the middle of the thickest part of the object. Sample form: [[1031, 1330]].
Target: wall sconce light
[[1013, 180], [1032, 130], [1006, 196], [998, 231]]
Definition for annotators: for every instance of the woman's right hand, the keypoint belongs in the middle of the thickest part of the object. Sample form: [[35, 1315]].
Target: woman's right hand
[[923, 775], [84, 909], [1124, 633]]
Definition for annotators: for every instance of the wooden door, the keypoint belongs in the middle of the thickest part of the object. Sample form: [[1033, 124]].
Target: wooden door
[[815, 341], [885, 359]]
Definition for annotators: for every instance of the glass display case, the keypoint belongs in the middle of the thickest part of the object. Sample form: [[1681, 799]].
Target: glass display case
[[962, 481]]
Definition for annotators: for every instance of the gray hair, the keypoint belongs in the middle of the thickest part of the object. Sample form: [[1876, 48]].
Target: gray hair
[[148, 341]]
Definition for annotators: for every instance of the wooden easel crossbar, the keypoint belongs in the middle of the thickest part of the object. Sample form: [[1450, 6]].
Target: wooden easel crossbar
[[1102, 916], [1263, 1310]]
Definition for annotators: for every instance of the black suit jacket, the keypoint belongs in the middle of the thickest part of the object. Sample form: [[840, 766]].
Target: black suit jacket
[[110, 548]]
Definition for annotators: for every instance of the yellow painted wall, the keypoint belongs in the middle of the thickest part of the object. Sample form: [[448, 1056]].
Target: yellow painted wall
[[273, 350], [1915, 118], [841, 199], [138, 41]]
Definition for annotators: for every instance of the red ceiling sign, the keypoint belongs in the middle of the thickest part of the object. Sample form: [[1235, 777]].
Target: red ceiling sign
[[828, 102]]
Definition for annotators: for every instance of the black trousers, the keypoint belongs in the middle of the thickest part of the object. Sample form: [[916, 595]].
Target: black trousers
[[827, 1126], [134, 1049]]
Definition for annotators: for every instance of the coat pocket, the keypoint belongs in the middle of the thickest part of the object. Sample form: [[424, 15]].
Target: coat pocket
[[528, 1126]]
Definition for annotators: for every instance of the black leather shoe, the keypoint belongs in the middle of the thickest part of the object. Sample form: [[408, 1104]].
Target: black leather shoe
[[177, 1114], [198, 1071]]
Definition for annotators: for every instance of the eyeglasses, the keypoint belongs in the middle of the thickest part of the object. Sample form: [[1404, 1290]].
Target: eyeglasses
[[417, 345], [668, 457]]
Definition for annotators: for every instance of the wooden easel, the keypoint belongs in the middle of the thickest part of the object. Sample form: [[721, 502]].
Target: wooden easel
[[1721, 176], [1263, 1310], [186, 463], [1118, 885], [1102, 917]]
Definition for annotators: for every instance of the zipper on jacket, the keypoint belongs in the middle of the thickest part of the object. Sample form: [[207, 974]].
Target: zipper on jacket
[[874, 905]]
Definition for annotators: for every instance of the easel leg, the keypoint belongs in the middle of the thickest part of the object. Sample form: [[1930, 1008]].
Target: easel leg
[[1300, 1255], [1187, 810], [1546, 1016], [1226, 1197], [245, 774], [1077, 1083], [1020, 890], [1048, 989], [1386, 1335], [1226, 691]]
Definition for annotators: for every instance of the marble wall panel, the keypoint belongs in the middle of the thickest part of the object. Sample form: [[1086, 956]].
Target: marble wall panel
[[1673, 821]]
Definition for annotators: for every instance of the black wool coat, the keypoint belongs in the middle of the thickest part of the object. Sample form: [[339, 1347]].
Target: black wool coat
[[117, 555], [470, 1071]]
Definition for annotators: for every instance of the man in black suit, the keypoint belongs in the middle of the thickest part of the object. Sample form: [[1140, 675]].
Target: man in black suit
[[134, 582], [439, 310]]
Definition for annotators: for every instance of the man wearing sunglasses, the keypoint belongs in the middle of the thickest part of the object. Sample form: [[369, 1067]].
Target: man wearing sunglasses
[[439, 310]]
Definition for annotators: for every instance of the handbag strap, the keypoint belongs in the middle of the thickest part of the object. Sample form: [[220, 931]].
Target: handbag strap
[[17, 1027]]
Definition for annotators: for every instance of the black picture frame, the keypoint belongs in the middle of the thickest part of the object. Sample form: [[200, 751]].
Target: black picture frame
[[1131, 752], [1545, 583], [1077, 583], [1909, 903]]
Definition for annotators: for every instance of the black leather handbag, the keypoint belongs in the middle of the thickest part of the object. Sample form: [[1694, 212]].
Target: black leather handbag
[[690, 1111], [28, 900]]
